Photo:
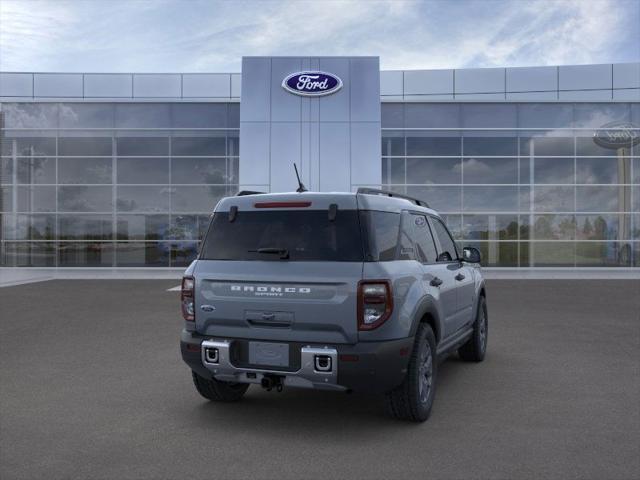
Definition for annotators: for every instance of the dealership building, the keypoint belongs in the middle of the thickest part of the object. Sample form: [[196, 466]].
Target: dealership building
[[537, 167]]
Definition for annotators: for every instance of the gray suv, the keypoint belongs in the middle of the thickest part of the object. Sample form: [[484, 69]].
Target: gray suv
[[361, 291]]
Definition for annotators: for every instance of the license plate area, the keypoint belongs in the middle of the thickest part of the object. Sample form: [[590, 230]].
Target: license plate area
[[268, 354]]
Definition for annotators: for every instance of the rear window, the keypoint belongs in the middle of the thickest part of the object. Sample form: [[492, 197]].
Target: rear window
[[305, 235]]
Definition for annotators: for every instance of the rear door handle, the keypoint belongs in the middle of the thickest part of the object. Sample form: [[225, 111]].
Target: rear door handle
[[459, 277], [436, 282]]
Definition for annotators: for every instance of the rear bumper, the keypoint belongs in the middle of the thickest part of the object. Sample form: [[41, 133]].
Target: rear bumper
[[372, 367]]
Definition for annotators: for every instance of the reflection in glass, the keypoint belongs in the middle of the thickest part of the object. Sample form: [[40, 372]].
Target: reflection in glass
[[490, 227], [392, 145], [85, 254], [30, 115], [183, 253], [603, 198], [496, 254], [86, 115], [31, 254], [490, 199], [433, 170], [602, 170], [485, 115], [143, 170], [598, 114], [490, 146], [143, 227], [199, 115], [143, 199], [149, 115], [196, 199], [142, 146], [603, 227], [150, 254], [85, 227], [553, 199], [433, 146], [443, 199], [28, 227], [546, 146], [554, 227], [198, 146], [188, 227], [603, 254], [84, 199], [552, 254], [426, 115], [84, 170], [36, 170], [587, 147], [199, 170], [29, 146], [454, 224], [553, 170], [36, 199], [93, 146], [490, 170]]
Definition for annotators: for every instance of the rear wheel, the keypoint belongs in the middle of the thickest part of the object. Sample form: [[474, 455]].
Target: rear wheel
[[476, 347], [413, 399], [218, 391]]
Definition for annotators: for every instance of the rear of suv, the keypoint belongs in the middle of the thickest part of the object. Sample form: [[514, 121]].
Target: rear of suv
[[357, 291]]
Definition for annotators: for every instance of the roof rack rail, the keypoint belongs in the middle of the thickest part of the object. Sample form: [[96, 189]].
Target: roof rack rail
[[242, 193], [375, 191]]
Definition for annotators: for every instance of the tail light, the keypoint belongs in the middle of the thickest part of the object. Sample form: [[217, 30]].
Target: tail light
[[187, 300], [375, 303]]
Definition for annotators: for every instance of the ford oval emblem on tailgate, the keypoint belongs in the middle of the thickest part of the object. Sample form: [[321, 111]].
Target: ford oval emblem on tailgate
[[312, 83]]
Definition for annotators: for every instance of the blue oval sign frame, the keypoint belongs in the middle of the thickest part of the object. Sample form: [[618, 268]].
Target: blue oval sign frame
[[312, 83]]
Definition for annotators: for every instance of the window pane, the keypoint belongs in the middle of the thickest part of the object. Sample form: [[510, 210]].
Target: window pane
[[30, 115], [429, 115], [552, 254], [603, 254], [598, 114], [198, 146], [199, 170], [545, 115], [85, 227], [80, 146], [143, 227], [26, 254], [28, 227], [587, 146], [635, 230], [636, 170], [36, 170], [199, 115], [433, 146], [392, 115], [485, 115], [434, 170], [142, 254], [392, 145], [554, 227], [489, 146], [84, 170], [28, 146], [183, 253], [36, 199], [138, 115], [496, 199], [490, 170], [553, 170], [454, 224], [602, 198], [81, 254], [447, 245], [143, 170], [547, 146], [604, 227], [84, 199], [490, 227], [553, 199], [142, 146], [603, 170], [196, 199], [188, 227], [394, 170], [143, 199], [443, 199], [86, 115], [423, 238]]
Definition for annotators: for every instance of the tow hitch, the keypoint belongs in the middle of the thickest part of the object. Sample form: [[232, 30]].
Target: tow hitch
[[269, 382]]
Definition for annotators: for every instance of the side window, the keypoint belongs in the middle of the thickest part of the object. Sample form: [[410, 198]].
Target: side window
[[380, 230], [407, 240], [447, 251], [423, 239]]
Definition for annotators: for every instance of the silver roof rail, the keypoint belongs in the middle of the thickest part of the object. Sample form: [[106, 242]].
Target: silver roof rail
[[386, 193]]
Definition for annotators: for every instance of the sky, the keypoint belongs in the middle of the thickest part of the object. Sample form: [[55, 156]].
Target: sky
[[212, 36]]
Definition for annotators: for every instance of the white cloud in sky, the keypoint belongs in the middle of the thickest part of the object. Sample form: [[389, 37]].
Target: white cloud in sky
[[181, 36]]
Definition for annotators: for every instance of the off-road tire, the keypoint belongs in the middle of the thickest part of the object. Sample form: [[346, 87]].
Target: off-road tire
[[476, 347], [408, 401], [217, 391]]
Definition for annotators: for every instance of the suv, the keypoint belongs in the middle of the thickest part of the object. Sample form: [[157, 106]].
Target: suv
[[357, 291]]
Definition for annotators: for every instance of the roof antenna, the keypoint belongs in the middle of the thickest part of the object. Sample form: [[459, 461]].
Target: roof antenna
[[301, 188]]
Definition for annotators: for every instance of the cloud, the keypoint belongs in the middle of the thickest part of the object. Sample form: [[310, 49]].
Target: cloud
[[166, 36]]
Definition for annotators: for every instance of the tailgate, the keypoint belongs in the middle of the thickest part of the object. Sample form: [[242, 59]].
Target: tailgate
[[312, 302]]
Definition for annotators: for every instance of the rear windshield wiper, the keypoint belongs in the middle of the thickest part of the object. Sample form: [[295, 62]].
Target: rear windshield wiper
[[283, 252]]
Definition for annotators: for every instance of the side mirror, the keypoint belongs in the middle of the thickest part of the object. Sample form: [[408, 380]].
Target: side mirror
[[471, 255]]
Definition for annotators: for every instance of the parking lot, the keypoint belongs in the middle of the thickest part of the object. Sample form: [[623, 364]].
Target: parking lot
[[92, 386]]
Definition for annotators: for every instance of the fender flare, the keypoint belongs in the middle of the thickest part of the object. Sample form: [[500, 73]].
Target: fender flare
[[428, 306]]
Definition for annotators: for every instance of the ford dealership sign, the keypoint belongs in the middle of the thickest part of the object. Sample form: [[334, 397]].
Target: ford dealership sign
[[312, 84], [617, 135]]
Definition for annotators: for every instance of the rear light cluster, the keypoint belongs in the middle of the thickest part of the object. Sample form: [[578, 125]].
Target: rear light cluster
[[375, 303], [187, 299]]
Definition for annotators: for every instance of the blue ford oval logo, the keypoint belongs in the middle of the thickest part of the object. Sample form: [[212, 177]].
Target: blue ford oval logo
[[312, 84]]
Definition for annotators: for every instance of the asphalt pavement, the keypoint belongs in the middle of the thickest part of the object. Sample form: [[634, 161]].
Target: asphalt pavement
[[92, 386]]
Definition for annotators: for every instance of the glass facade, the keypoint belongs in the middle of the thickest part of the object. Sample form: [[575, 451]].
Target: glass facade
[[112, 184], [525, 183], [129, 184]]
